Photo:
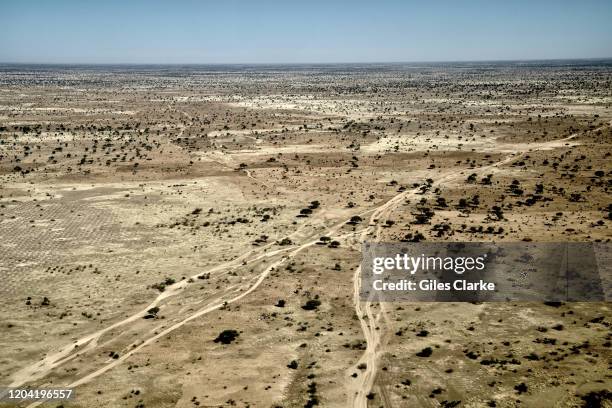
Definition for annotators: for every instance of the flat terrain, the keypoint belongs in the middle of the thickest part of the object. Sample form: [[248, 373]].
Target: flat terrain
[[180, 236]]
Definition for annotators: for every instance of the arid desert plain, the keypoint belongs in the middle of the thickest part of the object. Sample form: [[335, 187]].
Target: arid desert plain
[[190, 236]]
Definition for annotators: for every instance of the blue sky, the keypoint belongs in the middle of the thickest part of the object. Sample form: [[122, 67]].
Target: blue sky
[[288, 31]]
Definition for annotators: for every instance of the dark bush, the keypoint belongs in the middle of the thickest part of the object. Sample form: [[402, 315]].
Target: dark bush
[[226, 336], [426, 352], [312, 304]]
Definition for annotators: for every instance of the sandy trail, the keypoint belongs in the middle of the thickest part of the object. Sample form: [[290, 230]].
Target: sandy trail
[[70, 351], [370, 320], [65, 354], [359, 388]]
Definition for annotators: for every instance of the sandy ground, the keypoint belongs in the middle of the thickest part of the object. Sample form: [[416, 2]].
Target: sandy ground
[[143, 215]]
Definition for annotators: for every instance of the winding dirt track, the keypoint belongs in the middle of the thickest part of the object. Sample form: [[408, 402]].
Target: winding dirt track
[[90, 342], [370, 318]]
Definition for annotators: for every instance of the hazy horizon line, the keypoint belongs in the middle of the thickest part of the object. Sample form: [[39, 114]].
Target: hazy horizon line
[[308, 63]]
